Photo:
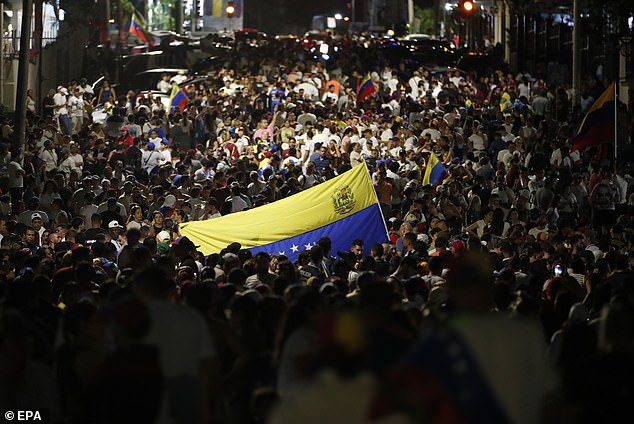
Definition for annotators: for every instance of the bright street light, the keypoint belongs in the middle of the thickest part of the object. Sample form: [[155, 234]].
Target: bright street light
[[338, 16]]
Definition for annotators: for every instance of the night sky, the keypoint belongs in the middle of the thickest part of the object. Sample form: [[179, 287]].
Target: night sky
[[287, 16]]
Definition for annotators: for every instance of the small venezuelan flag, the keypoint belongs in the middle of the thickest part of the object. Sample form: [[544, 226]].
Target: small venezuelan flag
[[178, 99], [366, 89], [136, 28], [597, 127], [435, 173]]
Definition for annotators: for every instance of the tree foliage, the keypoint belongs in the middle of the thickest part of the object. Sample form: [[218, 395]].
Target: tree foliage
[[426, 20]]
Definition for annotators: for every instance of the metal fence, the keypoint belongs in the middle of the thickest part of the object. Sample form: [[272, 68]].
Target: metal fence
[[11, 42]]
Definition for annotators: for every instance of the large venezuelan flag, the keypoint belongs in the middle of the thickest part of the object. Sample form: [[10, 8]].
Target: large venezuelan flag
[[435, 173], [178, 99], [366, 89], [344, 208], [597, 127]]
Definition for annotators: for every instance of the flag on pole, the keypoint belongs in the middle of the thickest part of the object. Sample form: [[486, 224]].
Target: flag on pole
[[597, 127], [137, 28], [366, 88], [344, 208], [178, 99], [435, 173]]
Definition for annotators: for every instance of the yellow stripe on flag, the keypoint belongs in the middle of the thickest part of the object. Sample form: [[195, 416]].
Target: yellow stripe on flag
[[433, 160], [605, 97], [218, 7]]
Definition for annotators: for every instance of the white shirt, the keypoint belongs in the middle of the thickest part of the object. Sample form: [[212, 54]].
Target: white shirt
[[150, 159], [76, 105], [60, 100], [477, 141], [164, 86], [433, 133], [329, 96], [77, 161], [49, 157]]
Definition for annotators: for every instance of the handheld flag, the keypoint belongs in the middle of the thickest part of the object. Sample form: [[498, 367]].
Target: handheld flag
[[344, 208], [597, 127], [136, 28], [435, 173], [178, 99], [366, 88]]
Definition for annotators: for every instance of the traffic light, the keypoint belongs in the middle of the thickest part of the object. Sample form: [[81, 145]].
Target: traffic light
[[466, 6], [230, 9]]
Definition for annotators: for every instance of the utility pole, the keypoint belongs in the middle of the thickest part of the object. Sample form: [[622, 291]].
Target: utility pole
[[19, 135], [1, 52], [178, 19], [194, 16], [576, 55]]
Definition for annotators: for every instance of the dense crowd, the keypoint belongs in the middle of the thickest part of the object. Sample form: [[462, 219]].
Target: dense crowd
[[503, 294]]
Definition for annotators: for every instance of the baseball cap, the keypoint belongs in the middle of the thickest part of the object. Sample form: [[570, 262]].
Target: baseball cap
[[114, 224], [36, 216], [163, 235], [170, 201]]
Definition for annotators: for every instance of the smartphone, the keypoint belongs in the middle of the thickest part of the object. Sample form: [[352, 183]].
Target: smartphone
[[558, 270]]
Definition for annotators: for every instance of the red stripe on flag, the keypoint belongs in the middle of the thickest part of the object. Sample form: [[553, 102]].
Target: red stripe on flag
[[599, 133]]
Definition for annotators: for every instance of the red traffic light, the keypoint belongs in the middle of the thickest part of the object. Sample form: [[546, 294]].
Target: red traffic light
[[230, 9]]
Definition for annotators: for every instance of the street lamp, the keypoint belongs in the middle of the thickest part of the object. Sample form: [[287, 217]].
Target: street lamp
[[466, 6], [230, 9]]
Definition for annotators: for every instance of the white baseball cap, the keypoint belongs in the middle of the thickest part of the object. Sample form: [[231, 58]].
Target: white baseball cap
[[163, 235]]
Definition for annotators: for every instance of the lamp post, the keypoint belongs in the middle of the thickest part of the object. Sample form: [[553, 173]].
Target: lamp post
[[1, 52], [576, 53], [19, 135], [178, 19]]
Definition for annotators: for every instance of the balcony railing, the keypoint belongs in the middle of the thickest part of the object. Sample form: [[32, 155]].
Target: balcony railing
[[11, 42]]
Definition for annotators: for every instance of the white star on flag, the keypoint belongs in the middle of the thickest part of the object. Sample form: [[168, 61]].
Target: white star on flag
[[281, 253], [308, 246], [294, 248]]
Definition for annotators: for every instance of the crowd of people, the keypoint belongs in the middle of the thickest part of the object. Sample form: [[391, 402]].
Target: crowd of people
[[501, 294]]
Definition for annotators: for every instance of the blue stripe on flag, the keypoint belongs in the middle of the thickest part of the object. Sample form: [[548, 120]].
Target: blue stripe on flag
[[367, 225], [437, 174], [179, 98]]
